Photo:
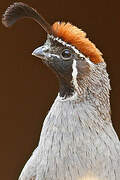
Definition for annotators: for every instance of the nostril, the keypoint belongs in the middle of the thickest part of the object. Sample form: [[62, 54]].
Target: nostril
[[44, 49]]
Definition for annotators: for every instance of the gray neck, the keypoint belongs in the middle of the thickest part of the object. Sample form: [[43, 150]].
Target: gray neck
[[95, 91], [90, 107], [73, 115], [75, 127]]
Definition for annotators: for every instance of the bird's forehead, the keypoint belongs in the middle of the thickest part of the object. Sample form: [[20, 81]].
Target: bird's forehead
[[65, 45], [55, 43]]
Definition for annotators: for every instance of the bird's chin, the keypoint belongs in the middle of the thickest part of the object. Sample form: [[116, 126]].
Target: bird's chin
[[42, 58]]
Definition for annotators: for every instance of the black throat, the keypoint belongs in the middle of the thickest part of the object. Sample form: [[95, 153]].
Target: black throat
[[66, 89]]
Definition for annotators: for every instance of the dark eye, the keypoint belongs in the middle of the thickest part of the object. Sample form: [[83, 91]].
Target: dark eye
[[82, 58], [66, 54]]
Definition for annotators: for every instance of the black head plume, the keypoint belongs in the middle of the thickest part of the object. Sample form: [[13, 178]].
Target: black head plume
[[20, 10]]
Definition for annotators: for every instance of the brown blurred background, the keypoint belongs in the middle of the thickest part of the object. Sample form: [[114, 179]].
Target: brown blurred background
[[28, 88]]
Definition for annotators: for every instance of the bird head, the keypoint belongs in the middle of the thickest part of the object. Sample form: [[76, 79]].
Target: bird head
[[76, 61]]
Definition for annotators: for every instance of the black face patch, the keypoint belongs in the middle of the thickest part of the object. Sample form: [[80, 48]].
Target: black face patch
[[60, 59]]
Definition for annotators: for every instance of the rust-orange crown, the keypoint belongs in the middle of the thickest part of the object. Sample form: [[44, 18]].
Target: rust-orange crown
[[76, 37]]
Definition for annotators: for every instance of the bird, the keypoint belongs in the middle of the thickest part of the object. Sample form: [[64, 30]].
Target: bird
[[77, 141]]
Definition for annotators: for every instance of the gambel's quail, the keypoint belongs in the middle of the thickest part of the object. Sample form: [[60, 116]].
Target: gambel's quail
[[78, 141]]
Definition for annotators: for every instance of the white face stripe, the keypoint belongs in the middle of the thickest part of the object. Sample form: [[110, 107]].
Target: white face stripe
[[67, 45], [73, 47], [74, 96], [74, 75], [49, 55]]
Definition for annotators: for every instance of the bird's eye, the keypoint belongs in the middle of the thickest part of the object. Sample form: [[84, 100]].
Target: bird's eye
[[82, 58], [66, 54]]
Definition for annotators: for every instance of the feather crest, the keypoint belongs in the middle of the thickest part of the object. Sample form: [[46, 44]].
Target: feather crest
[[20, 10], [76, 37]]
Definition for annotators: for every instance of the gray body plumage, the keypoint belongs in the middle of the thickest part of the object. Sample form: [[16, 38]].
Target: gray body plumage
[[78, 138]]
